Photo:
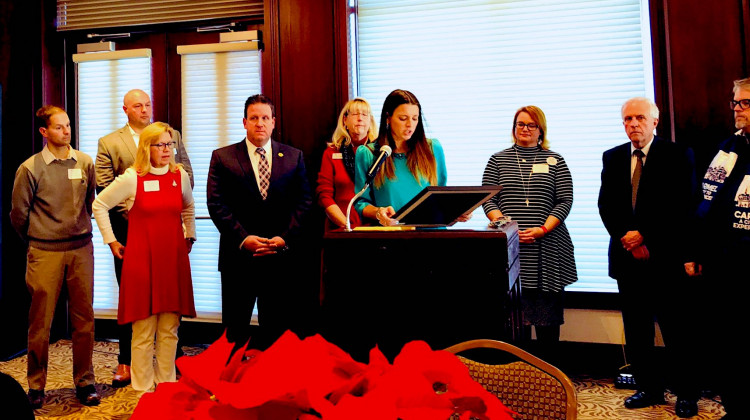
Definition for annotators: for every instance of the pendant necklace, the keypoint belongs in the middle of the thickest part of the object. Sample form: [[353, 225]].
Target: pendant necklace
[[520, 173]]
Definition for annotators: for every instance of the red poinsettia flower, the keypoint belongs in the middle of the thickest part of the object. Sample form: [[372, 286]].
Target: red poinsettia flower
[[313, 379]]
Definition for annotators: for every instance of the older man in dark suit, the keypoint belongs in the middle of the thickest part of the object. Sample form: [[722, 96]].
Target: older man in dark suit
[[646, 201], [258, 196], [116, 154]]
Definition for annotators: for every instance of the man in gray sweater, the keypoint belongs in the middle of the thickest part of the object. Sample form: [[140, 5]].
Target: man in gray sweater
[[51, 210]]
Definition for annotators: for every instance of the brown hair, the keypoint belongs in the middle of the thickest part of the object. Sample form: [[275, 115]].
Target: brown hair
[[45, 113], [419, 159]]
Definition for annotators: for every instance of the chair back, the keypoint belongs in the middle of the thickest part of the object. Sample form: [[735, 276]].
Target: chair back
[[530, 386]]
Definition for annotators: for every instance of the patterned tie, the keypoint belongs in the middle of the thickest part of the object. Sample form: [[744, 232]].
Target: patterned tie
[[637, 173], [264, 175]]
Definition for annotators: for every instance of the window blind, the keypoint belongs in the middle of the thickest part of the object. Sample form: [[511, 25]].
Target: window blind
[[101, 86], [89, 14], [472, 63], [214, 89]]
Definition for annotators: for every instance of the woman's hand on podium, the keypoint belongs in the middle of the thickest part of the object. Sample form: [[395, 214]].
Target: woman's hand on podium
[[383, 214]]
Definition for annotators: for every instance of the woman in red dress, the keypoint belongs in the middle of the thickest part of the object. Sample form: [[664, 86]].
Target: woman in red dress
[[156, 288], [356, 126]]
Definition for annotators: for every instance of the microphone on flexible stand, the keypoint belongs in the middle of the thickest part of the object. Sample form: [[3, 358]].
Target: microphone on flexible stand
[[385, 151]]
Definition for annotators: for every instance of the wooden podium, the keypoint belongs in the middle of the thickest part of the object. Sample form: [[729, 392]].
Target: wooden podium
[[442, 286]]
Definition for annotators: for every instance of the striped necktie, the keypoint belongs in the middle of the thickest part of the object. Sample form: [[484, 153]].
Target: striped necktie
[[637, 174], [264, 175]]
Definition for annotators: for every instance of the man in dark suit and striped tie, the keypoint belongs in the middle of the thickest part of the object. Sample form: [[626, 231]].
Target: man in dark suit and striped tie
[[258, 196], [646, 201]]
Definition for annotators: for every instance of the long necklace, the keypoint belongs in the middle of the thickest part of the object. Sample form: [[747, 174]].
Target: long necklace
[[520, 173]]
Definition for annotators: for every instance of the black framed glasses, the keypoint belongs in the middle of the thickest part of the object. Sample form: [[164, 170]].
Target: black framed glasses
[[531, 126], [164, 146], [743, 103]]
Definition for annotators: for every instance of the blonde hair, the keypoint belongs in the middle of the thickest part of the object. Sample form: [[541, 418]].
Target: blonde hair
[[539, 118], [341, 136], [150, 135]]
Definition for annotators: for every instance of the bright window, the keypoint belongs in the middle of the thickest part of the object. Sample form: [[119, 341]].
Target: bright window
[[472, 63], [103, 79], [214, 89]]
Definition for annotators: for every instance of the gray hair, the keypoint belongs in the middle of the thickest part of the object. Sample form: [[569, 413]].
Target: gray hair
[[741, 84], [654, 110]]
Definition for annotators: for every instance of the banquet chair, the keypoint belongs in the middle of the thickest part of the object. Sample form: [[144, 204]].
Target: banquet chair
[[526, 384]]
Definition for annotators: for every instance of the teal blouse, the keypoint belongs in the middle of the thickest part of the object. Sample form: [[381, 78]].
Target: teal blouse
[[403, 187]]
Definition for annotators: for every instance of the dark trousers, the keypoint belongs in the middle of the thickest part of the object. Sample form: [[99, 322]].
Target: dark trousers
[[667, 296], [271, 281], [724, 350], [124, 331]]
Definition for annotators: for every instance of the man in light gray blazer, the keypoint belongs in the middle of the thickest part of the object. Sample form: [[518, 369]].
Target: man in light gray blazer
[[116, 154]]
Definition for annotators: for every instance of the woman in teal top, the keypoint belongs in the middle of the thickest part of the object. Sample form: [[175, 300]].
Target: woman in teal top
[[416, 161]]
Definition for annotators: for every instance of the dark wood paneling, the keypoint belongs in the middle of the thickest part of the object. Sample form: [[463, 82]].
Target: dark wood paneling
[[307, 73], [705, 51], [28, 76]]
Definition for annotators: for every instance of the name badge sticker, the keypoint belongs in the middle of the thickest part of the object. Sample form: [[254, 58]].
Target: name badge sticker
[[149, 186], [338, 156], [540, 168], [75, 173]]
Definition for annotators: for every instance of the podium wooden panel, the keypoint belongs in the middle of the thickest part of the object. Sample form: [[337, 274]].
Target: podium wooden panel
[[443, 286]]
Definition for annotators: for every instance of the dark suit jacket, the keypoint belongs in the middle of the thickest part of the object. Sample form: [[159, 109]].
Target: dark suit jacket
[[663, 211], [237, 208]]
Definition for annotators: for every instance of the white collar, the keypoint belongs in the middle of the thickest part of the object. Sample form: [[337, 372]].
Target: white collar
[[49, 157]]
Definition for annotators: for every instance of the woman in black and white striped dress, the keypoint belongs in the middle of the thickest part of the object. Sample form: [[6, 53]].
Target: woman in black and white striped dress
[[537, 193]]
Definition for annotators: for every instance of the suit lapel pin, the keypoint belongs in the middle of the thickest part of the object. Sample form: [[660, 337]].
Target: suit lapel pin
[[281, 154]]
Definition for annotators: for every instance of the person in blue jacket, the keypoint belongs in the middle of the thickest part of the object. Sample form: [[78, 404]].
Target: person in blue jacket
[[416, 161]]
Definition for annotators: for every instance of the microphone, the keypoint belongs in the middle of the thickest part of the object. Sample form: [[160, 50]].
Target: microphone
[[385, 151]]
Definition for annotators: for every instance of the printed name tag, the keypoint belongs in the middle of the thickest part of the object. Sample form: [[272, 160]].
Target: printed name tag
[[540, 168], [149, 186], [338, 156], [75, 173]]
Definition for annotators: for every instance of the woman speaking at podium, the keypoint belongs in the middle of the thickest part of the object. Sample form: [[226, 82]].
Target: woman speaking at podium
[[537, 193], [415, 162]]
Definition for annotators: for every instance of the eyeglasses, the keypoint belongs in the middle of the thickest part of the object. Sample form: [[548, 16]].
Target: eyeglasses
[[531, 126], [360, 114], [743, 103], [164, 146]]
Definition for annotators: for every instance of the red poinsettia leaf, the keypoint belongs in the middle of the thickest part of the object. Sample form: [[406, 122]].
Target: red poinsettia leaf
[[216, 411], [285, 368], [170, 401], [361, 408], [205, 369], [361, 383], [238, 365], [424, 413]]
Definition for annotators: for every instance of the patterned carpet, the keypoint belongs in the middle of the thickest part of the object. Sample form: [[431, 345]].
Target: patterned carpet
[[597, 398]]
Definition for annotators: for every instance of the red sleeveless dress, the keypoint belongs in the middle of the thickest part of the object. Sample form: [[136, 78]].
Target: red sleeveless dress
[[156, 269]]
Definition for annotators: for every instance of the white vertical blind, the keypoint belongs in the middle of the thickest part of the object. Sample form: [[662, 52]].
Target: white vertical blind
[[214, 89], [472, 63], [101, 86]]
